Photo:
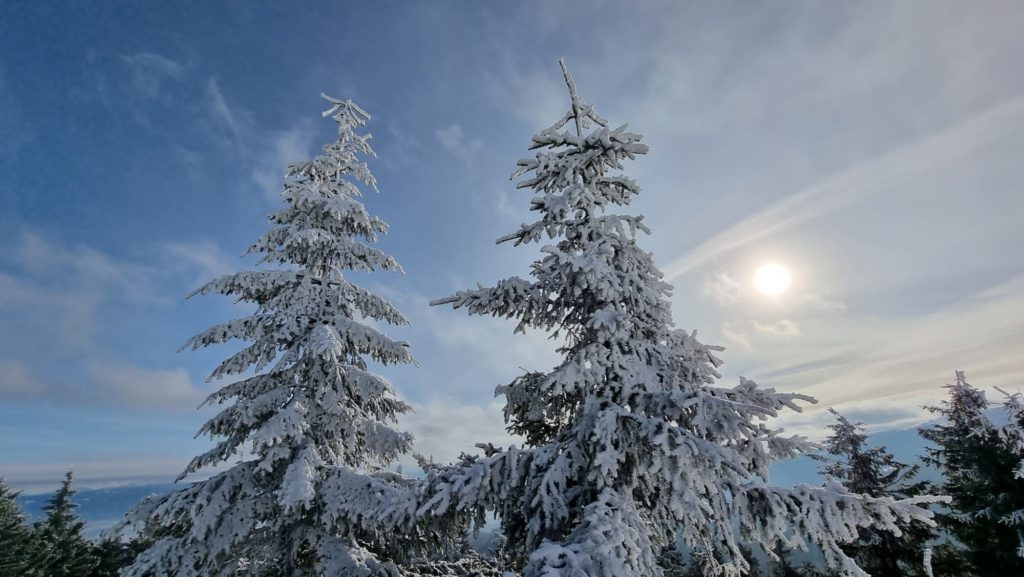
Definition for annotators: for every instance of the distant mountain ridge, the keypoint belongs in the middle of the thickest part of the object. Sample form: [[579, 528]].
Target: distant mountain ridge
[[101, 509]]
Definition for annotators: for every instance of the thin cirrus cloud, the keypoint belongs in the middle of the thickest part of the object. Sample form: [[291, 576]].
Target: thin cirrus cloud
[[455, 142], [267, 151], [102, 384], [872, 357], [722, 288], [860, 182], [784, 328], [61, 301], [219, 108], [151, 71]]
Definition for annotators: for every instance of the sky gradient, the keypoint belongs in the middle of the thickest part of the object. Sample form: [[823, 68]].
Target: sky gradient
[[872, 148]]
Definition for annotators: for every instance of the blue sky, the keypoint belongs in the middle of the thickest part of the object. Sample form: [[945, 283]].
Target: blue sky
[[872, 148]]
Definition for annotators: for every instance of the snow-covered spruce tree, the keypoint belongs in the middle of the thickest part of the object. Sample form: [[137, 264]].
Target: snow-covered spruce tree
[[874, 471], [65, 552], [629, 444], [308, 432], [979, 469]]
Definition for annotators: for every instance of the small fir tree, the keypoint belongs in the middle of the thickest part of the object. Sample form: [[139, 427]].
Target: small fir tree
[[979, 470], [65, 551], [18, 543], [308, 433], [629, 443], [874, 471]]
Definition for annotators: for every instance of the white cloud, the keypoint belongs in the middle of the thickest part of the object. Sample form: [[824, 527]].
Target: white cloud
[[782, 328], [16, 379], [205, 257], [102, 384], [456, 143], [871, 358], [59, 301], [282, 149], [536, 96], [268, 151], [856, 184], [877, 414], [820, 302], [219, 108], [53, 264], [94, 473], [722, 288], [150, 71], [504, 204], [54, 293], [445, 427], [733, 334], [115, 384]]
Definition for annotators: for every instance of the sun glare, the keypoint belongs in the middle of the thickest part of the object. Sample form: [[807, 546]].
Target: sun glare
[[772, 279]]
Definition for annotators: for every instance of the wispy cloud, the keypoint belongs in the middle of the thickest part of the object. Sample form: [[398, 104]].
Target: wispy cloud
[[722, 288], [205, 258], [456, 143], [282, 149], [445, 427], [16, 380], [878, 414], [861, 182], [116, 384], [150, 72], [58, 303], [268, 151], [534, 95], [867, 357], [94, 473], [103, 384], [219, 108], [782, 328], [735, 335], [821, 302]]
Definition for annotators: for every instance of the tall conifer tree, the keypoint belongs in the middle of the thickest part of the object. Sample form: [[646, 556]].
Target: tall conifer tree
[[18, 543], [979, 468], [1012, 435], [65, 552], [630, 443], [874, 471], [305, 434]]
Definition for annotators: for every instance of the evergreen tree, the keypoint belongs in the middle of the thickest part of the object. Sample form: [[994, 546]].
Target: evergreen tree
[[629, 443], [309, 432], [113, 554], [18, 545], [874, 471], [978, 466], [1012, 435], [66, 553]]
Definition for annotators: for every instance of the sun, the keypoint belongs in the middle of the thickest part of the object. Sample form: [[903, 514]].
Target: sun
[[772, 279]]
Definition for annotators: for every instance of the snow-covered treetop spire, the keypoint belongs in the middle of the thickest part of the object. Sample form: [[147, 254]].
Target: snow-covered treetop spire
[[308, 429], [630, 444], [581, 112]]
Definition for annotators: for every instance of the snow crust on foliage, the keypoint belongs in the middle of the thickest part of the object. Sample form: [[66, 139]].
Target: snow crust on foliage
[[631, 443], [312, 423]]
